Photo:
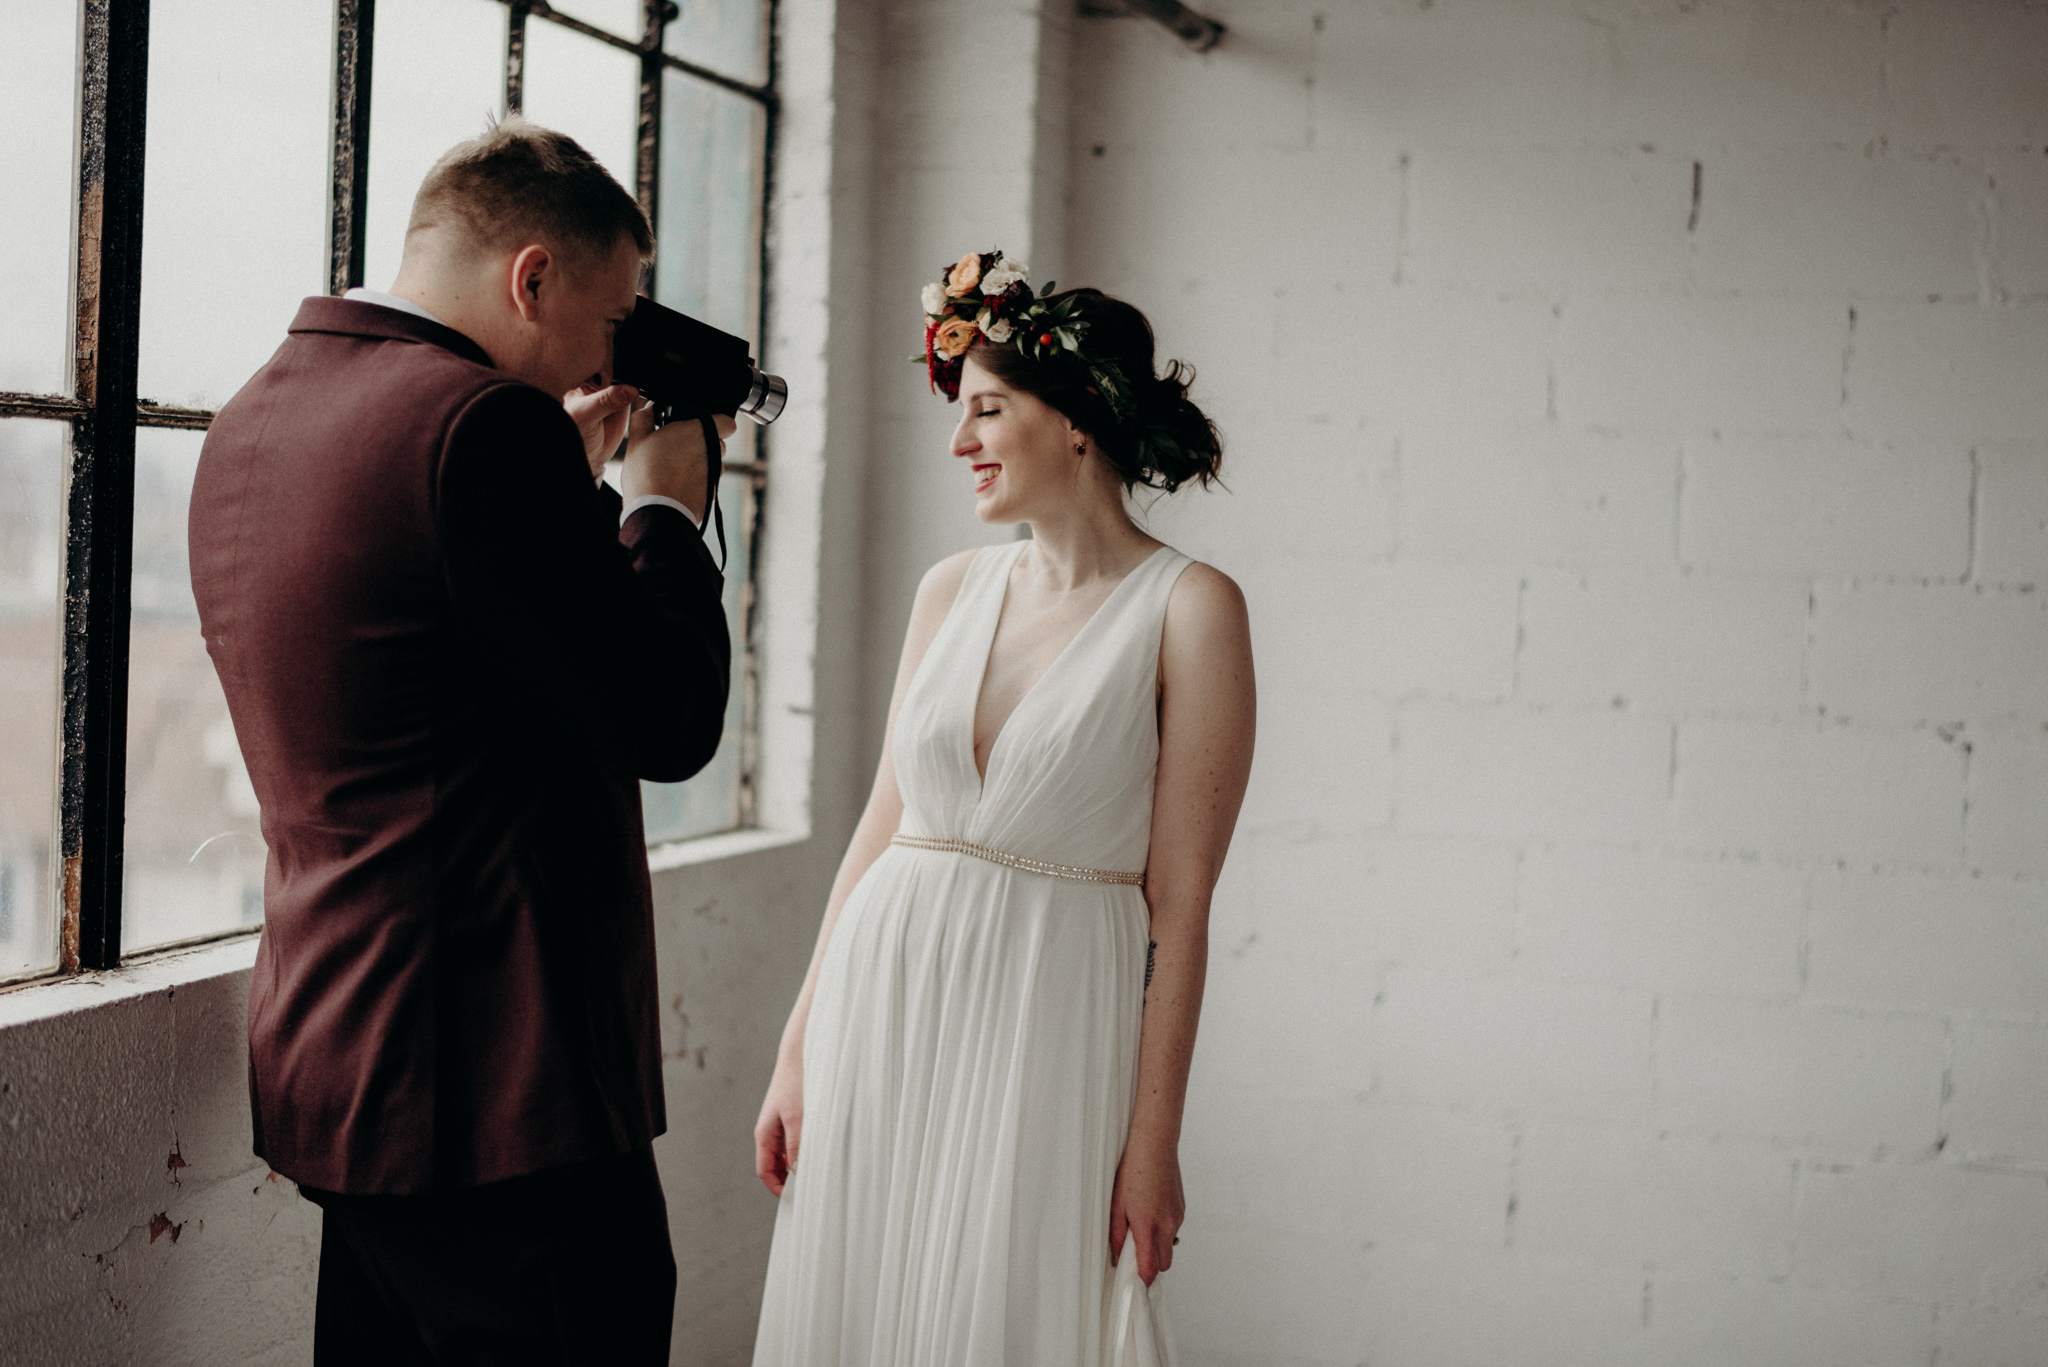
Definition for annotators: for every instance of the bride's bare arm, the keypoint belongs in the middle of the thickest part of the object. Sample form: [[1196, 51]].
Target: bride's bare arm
[[778, 1134], [1207, 713]]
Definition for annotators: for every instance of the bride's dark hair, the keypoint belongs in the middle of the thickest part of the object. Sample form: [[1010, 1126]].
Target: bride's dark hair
[[1163, 441]]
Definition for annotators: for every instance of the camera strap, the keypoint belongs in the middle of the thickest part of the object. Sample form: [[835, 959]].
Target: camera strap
[[714, 464]]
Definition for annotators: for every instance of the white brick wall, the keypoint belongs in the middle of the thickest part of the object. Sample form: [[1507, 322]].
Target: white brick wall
[[1687, 1206], [2000, 1110], [2012, 513], [1798, 510], [1835, 1083], [1512, 772], [1716, 927], [1793, 792], [1636, 950], [2005, 829], [1540, 496]]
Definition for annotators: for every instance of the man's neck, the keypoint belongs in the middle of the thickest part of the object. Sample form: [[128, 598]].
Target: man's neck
[[392, 301]]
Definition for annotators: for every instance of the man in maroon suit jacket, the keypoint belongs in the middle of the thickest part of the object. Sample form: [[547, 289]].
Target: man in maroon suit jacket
[[450, 661]]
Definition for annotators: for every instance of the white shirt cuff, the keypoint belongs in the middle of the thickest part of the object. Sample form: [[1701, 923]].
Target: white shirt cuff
[[656, 501]]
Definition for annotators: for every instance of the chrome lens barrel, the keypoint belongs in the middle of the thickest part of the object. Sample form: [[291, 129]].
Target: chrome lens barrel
[[766, 398]]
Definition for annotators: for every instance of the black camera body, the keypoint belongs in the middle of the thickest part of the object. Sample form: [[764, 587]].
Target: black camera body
[[688, 369]]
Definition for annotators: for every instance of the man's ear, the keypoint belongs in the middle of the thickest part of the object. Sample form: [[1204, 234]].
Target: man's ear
[[533, 269]]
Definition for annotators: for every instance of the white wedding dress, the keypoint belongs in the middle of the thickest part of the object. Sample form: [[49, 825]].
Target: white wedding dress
[[970, 1061]]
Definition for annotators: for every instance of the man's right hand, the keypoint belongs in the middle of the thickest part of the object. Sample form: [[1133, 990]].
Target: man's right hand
[[670, 461]]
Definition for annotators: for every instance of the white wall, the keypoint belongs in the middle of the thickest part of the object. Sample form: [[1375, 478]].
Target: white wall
[[139, 1228], [1636, 947]]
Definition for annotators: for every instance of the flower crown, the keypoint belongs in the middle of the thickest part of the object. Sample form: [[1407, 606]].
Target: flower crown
[[986, 294]]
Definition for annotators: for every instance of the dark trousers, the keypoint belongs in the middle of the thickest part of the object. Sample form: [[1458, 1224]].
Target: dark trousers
[[568, 1266]]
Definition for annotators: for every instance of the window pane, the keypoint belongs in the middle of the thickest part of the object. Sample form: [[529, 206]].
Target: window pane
[[710, 802], [437, 78], [729, 36], [38, 157], [620, 18], [194, 861], [31, 559], [234, 215], [587, 89], [708, 262]]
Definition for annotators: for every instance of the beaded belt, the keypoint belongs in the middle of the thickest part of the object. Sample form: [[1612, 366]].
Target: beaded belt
[[1018, 861]]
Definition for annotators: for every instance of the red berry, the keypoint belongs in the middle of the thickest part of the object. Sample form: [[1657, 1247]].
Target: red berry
[[1045, 339]]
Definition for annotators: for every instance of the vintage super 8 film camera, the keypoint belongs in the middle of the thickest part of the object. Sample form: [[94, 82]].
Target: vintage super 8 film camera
[[688, 369]]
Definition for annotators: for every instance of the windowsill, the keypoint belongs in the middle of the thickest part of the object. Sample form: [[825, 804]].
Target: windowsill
[[709, 849], [49, 997], [44, 998]]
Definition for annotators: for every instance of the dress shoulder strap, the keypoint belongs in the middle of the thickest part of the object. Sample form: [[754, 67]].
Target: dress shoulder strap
[[1156, 578], [970, 621], [1130, 624]]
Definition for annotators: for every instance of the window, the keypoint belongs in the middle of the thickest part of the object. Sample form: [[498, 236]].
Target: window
[[147, 277]]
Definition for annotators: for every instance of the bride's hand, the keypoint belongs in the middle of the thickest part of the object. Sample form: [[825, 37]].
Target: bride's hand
[[1147, 1203], [779, 1131]]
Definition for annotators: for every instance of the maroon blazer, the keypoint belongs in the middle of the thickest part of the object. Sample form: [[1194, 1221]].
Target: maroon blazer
[[448, 668]]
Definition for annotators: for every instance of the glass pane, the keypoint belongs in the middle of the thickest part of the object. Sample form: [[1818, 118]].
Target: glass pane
[[587, 89], [620, 18], [437, 78], [194, 861], [31, 559], [38, 108], [234, 214], [729, 36], [710, 802], [708, 258]]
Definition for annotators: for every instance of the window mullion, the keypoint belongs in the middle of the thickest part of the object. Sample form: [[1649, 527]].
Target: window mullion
[[348, 194], [647, 148], [100, 499], [515, 57]]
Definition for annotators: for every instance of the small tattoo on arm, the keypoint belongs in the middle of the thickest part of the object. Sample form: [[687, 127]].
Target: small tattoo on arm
[[1150, 945]]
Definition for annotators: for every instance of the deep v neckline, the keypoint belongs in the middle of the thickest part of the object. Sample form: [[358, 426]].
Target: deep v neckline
[[989, 649]]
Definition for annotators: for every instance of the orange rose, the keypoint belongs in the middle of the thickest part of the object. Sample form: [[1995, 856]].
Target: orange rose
[[964, 276], [954, 336]]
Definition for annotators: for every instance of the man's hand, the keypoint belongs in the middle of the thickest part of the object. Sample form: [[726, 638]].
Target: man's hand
[[669, 461], [601, 415]]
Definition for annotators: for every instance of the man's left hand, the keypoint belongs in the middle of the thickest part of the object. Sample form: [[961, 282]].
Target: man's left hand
[[601, 416]]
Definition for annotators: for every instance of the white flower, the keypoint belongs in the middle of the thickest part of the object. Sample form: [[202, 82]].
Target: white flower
[[933, 298], [1004, 274], [1001, 330]]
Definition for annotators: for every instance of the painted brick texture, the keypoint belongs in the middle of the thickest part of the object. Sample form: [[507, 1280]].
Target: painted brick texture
[[1636, 947]]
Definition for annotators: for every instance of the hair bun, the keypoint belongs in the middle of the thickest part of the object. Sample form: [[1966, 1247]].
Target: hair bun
[[1178, 443]]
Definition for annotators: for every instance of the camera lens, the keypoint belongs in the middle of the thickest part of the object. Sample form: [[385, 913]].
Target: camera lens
[[764, 401]]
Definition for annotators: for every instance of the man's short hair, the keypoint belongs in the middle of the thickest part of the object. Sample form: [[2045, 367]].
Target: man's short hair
[[521, 183]]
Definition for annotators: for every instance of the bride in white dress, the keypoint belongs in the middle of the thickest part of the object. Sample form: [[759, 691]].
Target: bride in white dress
[[974, 1117]]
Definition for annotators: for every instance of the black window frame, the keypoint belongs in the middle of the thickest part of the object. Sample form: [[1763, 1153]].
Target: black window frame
[[105, 410]]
